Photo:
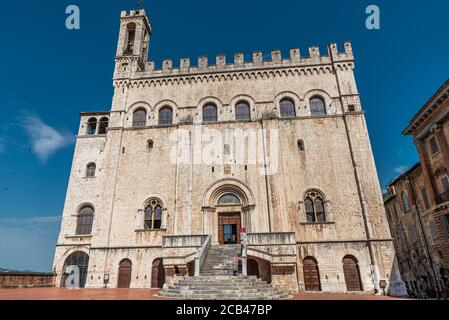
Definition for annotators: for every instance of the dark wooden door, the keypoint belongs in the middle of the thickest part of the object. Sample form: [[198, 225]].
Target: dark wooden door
[[157, 274], [124, 274], [228, 219], [352, 275], [311, 275], [252, 268]]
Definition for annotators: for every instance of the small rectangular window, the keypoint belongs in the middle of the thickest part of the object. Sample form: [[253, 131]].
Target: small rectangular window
[[433, 146], [433, 229], [351, 108]]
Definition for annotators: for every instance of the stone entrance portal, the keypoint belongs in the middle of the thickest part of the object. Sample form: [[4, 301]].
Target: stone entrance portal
[[229, 228]]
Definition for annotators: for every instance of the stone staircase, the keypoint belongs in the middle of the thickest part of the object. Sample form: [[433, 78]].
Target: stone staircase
[[218, 282]]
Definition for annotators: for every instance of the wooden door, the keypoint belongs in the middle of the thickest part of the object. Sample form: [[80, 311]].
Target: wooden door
[[157, 274], [124, 274], [231, 219], [311, 275], [352, 274]]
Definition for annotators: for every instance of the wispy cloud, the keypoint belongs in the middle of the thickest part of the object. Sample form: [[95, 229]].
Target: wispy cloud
[[45, 140], [28, 242], [401, 169], [2, 145]]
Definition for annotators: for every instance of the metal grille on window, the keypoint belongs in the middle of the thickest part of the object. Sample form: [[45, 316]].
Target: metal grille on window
[[317, 106], [139, 118], [287, 108], [242, 111], [85, 220], [210, 113], [165, 116]]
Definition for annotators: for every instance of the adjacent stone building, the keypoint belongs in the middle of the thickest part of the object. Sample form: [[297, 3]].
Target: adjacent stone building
[[197, 151], [417, 207]]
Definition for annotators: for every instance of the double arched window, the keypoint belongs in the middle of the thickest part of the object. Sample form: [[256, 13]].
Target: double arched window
[[287, 108], [165, 116], [85, 220], [139, 118], [91, 126], [153, 214], [242, 111], [317, 106], [90, 170], [210, 113], [314, 204]]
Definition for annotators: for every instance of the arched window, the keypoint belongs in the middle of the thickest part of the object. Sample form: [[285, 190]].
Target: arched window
[[300, 144], [104, 122], [229, 199], [85, 220], [210, 113], [79, 259], [165, 116], [90, 170], [405, 202], [130, 38], [317, 106], [139, 118], [91, 126], [311, 275], [242, 111], [153, 214], [287, 108], [314, 207]]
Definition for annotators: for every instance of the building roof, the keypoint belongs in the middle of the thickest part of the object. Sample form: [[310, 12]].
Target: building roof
[[427, 109], [410, 170]]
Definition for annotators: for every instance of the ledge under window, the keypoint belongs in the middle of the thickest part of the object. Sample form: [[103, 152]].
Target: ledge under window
[[80, 236], [150, 230], [317, 223]]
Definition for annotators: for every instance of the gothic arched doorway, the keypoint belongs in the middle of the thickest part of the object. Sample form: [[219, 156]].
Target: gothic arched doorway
[[79, 259], [157, 274], [124, 274], [352, 274], [311, 275]]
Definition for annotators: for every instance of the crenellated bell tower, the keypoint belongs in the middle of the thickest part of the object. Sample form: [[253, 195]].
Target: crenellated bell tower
[[133, 41]]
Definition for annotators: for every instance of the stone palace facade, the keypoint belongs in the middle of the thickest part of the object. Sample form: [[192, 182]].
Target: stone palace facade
[[190, 154]]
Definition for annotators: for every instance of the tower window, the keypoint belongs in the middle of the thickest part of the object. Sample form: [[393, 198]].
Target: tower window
[[165, 116], [210, 113], [300, 144], [139, 118], [153, 214], [85, 220], [242, 111], [150, 144], [131, 35], [287, 108], [92, 126], [104, 122], [90, 170], [314, 203], [317, 106]]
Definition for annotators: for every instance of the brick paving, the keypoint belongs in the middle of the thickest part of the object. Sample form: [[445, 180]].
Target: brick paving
[[140, 294]]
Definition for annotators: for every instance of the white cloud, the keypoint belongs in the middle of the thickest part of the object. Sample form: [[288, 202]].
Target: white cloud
[[45, 140], [2, 145], [401, 169], [30, 220]]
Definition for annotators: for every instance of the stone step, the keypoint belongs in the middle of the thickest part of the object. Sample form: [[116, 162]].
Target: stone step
[[221, 287], [227, 297]]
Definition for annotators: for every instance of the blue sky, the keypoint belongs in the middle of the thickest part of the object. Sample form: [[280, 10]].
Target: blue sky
[[50, 74]]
